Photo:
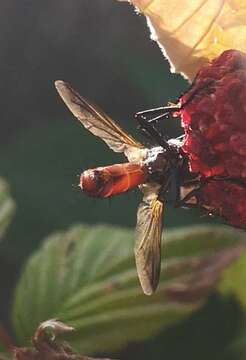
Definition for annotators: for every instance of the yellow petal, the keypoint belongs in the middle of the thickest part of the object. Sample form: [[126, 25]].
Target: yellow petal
[[190, 32]]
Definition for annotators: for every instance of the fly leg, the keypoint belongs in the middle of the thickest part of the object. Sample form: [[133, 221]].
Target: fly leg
[[151, 132], [197, 185], [157, 114], [153, 116], [163, 189], [147, 120], [184, 202]]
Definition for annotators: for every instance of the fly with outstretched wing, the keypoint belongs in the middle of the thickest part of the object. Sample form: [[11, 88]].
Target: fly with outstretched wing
[[149, 168]]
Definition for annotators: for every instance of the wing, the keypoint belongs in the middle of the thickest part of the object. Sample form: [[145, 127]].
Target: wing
[[148, 239], [98, 123]]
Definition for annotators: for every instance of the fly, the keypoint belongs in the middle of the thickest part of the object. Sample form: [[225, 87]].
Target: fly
[[151, 169]]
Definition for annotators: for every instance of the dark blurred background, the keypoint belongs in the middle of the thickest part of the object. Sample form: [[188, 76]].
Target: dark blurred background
[[103, 49]]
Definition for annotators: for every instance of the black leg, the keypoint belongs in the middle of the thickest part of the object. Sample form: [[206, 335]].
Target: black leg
[[151, 132], [171, 184], [201, 183], [183, 202], [156, 114], [163, 190], [196, 185]]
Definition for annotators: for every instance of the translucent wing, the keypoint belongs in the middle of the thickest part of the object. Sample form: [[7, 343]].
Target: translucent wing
[[148, 239], [190, 32], [98, 123]]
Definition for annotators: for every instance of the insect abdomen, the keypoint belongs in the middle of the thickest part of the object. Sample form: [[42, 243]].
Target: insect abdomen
[[106, 181]]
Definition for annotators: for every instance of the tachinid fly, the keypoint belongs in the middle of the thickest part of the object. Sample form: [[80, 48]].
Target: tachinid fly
[[152, 169]]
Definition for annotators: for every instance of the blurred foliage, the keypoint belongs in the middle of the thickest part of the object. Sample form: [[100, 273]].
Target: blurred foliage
[[7, 210], [238, 347], [7, 207], [86, 277], [231, 280]]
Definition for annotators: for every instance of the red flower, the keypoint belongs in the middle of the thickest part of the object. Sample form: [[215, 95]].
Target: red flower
[[214, 121], [226, 199], [214, 118]]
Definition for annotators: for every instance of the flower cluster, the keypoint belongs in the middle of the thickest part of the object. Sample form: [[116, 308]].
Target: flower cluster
[[225, 198], [213, 114], [214, 118]]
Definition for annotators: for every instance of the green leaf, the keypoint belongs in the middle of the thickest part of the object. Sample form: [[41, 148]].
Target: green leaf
[[6, 356], [7, 207], [86, 277], [233, 283], [239, 345], [233, 280]]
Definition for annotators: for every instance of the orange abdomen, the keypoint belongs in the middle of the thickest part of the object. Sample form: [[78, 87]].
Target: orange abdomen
[[111, 180]]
